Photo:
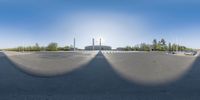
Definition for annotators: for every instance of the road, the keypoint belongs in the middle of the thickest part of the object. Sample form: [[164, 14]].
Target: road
[[103, 78]]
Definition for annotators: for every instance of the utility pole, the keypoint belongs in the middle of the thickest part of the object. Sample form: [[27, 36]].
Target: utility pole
[[74, 44]]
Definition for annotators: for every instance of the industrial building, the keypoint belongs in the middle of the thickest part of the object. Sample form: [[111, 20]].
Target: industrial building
[[98, 47]]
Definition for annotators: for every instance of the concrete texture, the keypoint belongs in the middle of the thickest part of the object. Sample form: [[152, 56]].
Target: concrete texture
[[101, 79]]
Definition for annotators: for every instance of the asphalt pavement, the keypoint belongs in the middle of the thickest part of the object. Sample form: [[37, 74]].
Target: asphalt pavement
[[103, 76]]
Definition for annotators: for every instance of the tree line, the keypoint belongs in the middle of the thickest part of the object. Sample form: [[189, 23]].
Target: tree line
[[160, 45], [51, 47], [157, 46]]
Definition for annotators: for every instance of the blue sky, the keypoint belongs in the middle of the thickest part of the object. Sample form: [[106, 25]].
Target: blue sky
[[118, 22]]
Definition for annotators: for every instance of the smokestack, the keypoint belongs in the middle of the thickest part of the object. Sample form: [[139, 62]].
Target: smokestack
[[74, 44], [93, 44]]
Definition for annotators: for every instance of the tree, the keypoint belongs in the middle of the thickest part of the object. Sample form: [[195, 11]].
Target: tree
[[52, 47], [37, 47], [128, 48], [155, 44], [66, 48], [144, 47], [174, 47], [136, 48], [170, 47], [42, 48], [20, 48], [159, 46], [162, 45], [163, 42]]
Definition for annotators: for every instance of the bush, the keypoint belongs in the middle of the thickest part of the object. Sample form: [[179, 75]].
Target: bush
[[66, 48], [52, 47]]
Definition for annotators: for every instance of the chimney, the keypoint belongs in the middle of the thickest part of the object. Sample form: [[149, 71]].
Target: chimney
[[93, 44]]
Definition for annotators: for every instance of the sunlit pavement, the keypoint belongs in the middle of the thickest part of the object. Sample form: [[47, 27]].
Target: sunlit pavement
[[101, 76]]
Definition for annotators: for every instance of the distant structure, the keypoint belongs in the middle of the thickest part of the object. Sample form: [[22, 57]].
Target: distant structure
[[97, 47], [121, 49], [93, 44], [74, 44]]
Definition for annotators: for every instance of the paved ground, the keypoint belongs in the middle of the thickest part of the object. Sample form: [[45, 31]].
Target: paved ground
[[50, 63], [103, 77]]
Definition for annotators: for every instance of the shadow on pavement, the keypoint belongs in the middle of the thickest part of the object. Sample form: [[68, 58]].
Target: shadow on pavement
[[190, 82]]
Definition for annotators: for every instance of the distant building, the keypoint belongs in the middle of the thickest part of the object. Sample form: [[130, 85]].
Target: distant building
[[120, 49], [97, 47]]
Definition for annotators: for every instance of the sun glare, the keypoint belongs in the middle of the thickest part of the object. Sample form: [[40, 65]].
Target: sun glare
[[105, 25]]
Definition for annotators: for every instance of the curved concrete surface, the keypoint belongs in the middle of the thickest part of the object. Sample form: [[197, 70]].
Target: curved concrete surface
[[49, 63], [150, 68]]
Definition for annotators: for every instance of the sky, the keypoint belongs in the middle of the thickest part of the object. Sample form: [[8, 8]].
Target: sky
[[119, 23]]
